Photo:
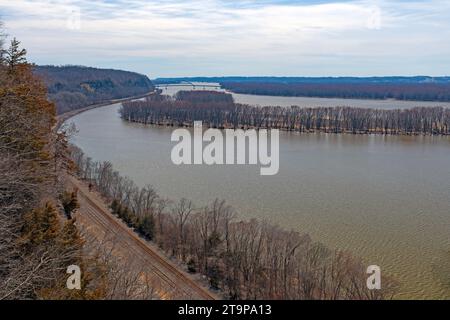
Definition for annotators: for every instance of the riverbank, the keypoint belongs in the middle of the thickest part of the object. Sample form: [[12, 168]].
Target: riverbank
[[219, 110], [383, 198], [61, 118], [168, 124]]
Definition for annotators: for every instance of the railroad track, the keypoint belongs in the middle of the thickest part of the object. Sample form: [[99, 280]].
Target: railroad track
[[175, 283]]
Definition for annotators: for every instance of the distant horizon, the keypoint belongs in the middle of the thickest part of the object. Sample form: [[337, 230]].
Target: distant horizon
[[152, 77], [302, 76]]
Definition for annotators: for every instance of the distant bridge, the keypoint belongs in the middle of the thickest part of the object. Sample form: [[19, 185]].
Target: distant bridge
[[189, 84]]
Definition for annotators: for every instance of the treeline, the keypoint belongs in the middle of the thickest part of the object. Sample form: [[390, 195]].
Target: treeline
[[366, 90], [244, 259], [432, 121], [325, 80], [157, 109], [204, 97], [74, 87]]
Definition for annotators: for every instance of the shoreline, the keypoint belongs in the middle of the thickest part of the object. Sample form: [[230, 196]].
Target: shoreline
[[63, 117], [374, 133], [447, 103]]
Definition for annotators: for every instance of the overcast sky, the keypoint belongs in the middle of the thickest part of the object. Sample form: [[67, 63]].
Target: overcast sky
[[164, 38]]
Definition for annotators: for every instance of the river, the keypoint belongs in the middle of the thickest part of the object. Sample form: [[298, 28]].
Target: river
[[307, 101], [385, 199]]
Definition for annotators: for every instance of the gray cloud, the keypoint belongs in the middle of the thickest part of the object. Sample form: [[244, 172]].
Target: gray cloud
[[167, 38]]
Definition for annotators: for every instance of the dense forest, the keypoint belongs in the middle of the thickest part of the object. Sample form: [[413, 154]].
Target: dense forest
[[217, 112], [420, 88], [243, 259], [323, 80], [398, 91], [39, 238], [73, 87]]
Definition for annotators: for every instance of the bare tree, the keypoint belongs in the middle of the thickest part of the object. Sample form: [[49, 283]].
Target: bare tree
[[244, 259]]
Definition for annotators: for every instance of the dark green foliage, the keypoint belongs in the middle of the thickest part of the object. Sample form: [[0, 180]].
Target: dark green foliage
[[14, 56], [214, 275], [125, 214], [146, 226], [192, 266], [114, 205]]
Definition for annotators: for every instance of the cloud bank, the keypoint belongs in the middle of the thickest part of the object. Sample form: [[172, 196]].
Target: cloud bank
[[212, 37]]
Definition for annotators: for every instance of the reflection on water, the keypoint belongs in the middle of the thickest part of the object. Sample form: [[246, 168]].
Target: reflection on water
[[386, 199]]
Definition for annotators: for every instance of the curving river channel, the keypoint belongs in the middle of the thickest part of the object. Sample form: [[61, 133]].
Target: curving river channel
[[383, 198]]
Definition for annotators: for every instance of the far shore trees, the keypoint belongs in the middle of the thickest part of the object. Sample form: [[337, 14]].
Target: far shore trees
[[407, 89], [217, 110]]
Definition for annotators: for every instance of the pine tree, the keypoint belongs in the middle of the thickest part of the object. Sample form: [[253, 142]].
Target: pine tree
[[147, 226], [114, 206], [70, 237], [40, 226], [14, 56], [34, 239], [128, 217]]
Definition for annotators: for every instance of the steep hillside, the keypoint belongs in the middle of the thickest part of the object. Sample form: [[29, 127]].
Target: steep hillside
[[73, 87]]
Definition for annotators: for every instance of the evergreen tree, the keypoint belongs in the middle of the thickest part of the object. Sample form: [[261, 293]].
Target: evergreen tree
[[147, 226], [14, 56], [114, 206], [40, 226], [70, 237], [35, 238]]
